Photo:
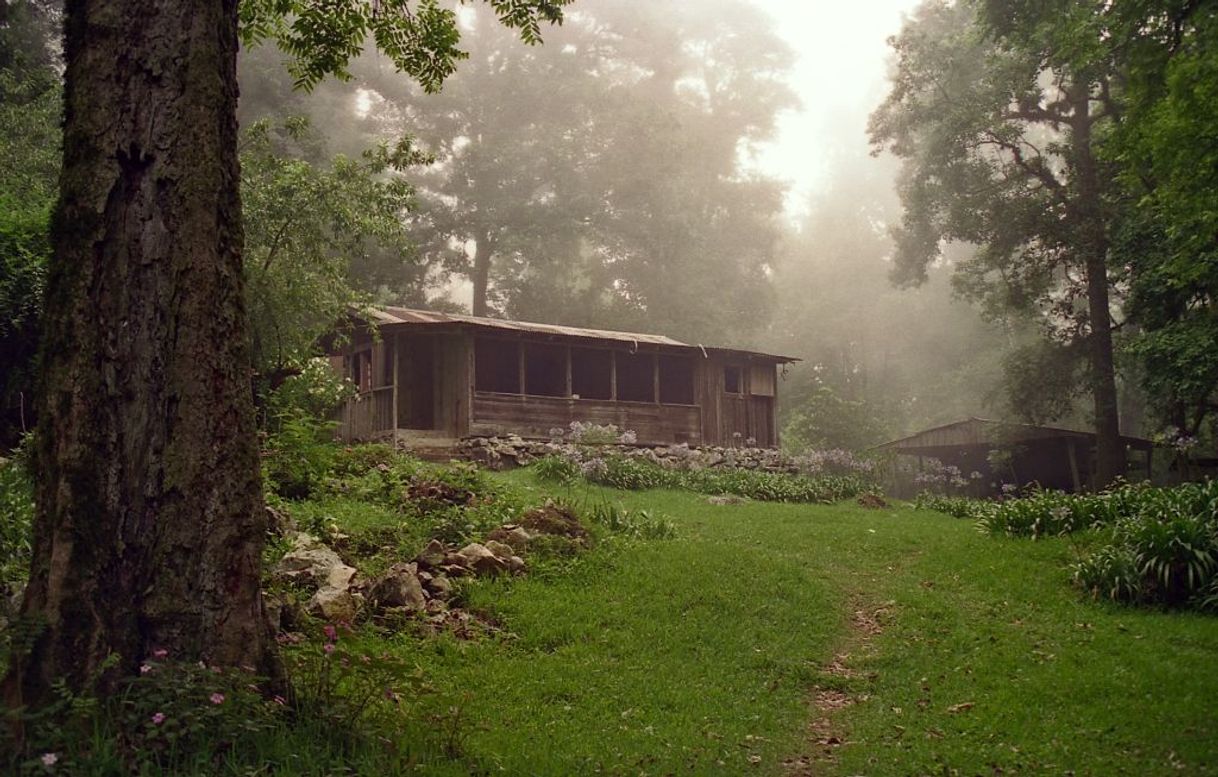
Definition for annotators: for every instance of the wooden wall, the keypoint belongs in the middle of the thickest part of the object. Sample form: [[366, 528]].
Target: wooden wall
[[434, 391], [529, 416]]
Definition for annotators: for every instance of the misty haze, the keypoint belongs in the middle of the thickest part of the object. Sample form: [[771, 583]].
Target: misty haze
[[608, 387]]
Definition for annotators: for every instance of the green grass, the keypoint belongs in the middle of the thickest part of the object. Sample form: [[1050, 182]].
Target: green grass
[[694, 654]]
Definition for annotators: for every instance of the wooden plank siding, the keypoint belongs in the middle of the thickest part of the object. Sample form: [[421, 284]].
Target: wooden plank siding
[[425, 379], [530, 416]]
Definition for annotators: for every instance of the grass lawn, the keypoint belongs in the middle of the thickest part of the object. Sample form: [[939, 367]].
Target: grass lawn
[[699, 655]]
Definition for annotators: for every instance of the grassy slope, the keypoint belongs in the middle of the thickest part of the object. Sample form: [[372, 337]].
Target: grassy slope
[[692, 655]]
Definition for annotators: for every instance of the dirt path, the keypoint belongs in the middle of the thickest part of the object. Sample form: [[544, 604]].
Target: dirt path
[[827, 698]]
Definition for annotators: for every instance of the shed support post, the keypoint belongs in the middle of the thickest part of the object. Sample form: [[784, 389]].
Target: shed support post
[[568, 349], [1074, 466], [397, 372], [655, 378], [520, 368], [613, 375]]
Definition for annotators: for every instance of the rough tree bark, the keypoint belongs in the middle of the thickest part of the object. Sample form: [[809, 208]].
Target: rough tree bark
[[1110, 460], [483, 251], [150, 525]]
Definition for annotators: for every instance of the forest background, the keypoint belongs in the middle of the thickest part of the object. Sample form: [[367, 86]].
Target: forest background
[[621, 176]]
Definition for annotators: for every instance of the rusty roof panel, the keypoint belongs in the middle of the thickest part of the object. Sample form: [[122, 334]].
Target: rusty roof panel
[[392, 316]]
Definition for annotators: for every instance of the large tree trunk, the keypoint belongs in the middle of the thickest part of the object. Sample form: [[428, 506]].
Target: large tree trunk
[[150, 524], [1110, 461], [483, 250]]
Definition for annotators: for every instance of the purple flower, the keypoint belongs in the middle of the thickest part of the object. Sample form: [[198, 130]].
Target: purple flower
[[158, 718], [328, 647], [217, 698], [145, 668]]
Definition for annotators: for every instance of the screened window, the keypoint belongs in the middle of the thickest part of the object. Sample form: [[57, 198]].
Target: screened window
[[676, 380], [545, 370], [496, 365], [636, 377], [591, 373], [733, 380]]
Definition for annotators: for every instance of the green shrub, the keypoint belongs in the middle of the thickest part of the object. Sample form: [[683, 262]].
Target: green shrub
[[557, 469], [639, 524], [16, 517], [298, 455], [1110, 573], [955, 506]]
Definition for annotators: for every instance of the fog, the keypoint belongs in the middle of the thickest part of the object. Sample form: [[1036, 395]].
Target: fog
[[700, 170]]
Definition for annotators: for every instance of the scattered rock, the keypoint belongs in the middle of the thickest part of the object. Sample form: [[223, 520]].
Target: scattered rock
[[511, 534], [333, 604], [433, 555], [726, 500], [311, 561], [399, 587], [481, 559], [278, 522], [440, 588], [500, 550]]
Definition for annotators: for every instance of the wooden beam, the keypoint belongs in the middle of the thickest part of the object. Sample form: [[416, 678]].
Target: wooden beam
[[1074, 465], [568, 350], [521, 388], [655, 378], [397, 370], [613, 375]]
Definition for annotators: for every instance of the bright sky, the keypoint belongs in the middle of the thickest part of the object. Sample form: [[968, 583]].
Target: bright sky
[[839, 75]]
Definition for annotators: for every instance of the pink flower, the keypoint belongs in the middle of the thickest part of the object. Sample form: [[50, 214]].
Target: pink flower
[[161, 653], [217, 698], [279, 700], [145, 668], [329, 647], [158, 718], [330, 632], [50, 759]]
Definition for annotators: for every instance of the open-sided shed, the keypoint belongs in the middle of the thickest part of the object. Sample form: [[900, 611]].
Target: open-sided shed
[[1055, 458], [437, 377]]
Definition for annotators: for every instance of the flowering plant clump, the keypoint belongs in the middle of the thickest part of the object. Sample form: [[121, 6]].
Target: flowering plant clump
[[756, 473]]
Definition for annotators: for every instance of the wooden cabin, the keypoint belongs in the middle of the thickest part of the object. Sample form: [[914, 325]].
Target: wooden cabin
[[434, 378], [1061, 459]]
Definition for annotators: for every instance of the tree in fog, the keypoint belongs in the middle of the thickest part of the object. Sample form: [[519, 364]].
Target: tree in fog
[[999, 119], [599, 179], [149, 524]]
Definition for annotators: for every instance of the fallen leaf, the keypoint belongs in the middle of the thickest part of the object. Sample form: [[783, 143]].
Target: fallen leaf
[[961, 707]]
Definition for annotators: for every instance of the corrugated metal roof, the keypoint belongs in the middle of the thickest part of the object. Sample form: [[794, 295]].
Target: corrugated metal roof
[[984, 431], [393, 316]]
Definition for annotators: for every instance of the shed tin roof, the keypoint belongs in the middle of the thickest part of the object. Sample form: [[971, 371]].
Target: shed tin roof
[[394, 317], [984, 431]]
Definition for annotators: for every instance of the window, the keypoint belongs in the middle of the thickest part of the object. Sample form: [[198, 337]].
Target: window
[[361, 369], [591, 373], [676, 380], [545, 370], [496, 366], [733, 380], [636, 377], [387, 360]]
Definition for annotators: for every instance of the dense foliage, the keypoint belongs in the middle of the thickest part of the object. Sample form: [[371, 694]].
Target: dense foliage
[[636, 473], [1155, 545]]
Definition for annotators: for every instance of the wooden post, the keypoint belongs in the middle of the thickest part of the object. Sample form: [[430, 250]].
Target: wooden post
[[568, 349], [397, 371], [1074, 466], [521, 371], [655, 378], [613, 376]]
